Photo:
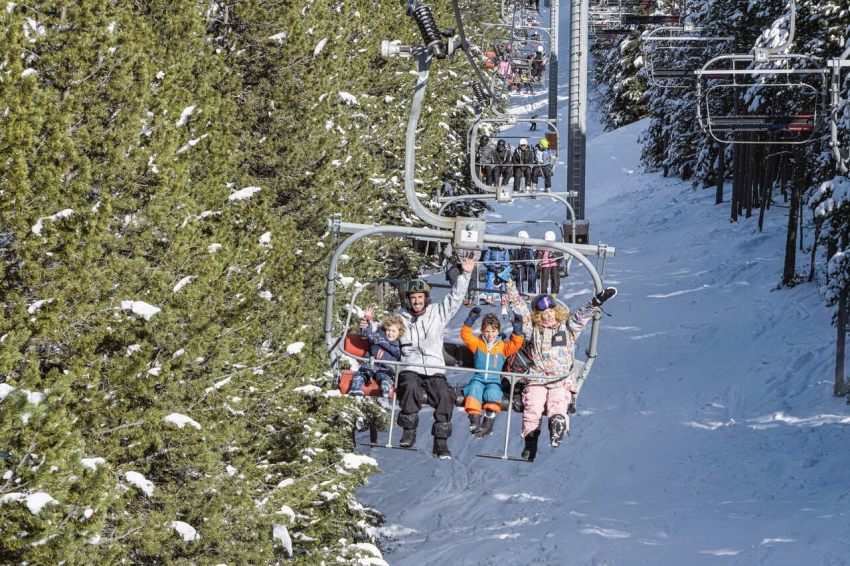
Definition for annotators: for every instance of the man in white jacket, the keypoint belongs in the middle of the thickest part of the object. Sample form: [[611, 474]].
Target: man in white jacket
[[425, 324]]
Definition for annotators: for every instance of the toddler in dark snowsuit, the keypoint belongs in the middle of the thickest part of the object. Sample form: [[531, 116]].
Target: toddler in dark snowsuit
[[385, 345]]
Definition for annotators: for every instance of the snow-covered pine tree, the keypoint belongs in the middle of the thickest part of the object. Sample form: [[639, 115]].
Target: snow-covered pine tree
[[167, 170]]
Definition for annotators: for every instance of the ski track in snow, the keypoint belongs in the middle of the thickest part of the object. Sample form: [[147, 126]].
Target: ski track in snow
[[707, 433]]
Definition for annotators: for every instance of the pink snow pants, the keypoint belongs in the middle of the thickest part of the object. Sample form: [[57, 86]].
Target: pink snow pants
[[535, 398]]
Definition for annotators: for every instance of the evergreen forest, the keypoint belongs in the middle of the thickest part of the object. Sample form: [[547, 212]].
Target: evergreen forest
[[168, 170]]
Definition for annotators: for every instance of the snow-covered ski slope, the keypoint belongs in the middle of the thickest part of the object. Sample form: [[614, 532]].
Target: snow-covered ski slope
[[707, 433]]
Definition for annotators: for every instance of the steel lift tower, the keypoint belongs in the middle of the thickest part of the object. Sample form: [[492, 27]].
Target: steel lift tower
[[553, 60], [577, 127]]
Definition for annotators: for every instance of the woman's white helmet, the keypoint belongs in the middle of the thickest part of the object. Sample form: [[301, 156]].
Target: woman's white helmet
[[549, 236], [522, 234]]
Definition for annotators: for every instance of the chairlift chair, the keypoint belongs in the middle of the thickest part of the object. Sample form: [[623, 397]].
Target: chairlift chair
[[791, 88], [341, 344], [795, 87], [673, 54], [491, 127]]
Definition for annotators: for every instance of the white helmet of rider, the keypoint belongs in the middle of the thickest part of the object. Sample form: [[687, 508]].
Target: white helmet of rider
[[522, 234], [549, 236]]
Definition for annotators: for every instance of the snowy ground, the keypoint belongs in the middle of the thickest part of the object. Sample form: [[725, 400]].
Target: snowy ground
[[707, 433]]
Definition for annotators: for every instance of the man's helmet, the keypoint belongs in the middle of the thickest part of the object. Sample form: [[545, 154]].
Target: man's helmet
[[544, 143], [500, 144], [417, 286], [485, 139]]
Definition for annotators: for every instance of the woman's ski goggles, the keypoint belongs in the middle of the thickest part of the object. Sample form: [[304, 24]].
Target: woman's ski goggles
[[545, 302]]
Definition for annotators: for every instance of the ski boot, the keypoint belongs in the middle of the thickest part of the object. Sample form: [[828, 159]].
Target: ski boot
[[356, 388], [557, 427], [408, 438], [441, 432], [486, 428], [408, 424], [474, 423], [441, 449], [530, 450]]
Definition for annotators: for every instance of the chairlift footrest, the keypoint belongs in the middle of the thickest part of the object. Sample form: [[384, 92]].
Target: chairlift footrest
[[396, 446], [503, 457]]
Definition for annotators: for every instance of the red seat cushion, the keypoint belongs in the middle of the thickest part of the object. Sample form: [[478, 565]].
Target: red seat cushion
[[356, 344], [370, 390]]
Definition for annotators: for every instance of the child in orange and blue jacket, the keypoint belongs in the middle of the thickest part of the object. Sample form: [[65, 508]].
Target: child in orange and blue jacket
[[490, 351]]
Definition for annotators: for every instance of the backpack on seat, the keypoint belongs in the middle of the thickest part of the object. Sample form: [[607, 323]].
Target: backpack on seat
[[519, 362]]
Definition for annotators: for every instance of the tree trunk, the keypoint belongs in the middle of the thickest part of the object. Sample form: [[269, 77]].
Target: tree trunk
[[752, 178], [791, 236], [767, 185], [666, 126], [720, 172], [839, 388], [736, 181], [818, 226]]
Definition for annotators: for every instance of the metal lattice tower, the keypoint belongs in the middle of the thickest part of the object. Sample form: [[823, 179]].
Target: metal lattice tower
[[577, 127], [553, 59]]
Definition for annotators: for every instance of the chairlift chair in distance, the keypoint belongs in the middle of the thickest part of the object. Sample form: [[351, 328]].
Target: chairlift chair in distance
[[492, 128], [673, 54], [791, 90], [794, 98]]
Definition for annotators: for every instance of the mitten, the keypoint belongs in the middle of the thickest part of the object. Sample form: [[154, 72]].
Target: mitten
[[517, 324], [505, 274], [603, 296], [473, 316]]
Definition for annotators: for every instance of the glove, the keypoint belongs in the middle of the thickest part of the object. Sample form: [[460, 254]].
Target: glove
[[603, 296], [517, 324], [473, 316], [505, 274]]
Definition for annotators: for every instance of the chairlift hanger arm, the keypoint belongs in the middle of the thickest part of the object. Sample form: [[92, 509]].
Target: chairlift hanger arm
[[464, 45]]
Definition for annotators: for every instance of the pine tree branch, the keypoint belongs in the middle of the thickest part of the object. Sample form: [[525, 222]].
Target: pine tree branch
[[117, 428]]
